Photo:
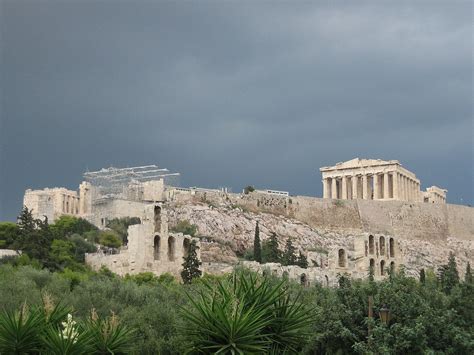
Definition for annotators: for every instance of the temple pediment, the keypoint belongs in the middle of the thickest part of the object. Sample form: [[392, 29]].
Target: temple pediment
[[359, 163]]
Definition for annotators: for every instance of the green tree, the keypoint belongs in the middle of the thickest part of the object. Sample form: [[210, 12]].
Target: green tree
[[61, 254], [120, 226], [68, 225], [8, 234], [448, 274], [270, 251], [191, 264], [185, 227], [248, 189], [468, 275], [34, 237], [257, 250], [422, 276], [81, 247], [302, 261], [289, 257], [109, 239]]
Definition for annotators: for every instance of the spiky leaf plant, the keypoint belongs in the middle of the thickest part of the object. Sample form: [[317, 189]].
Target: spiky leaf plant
[[109, 336], [19, 331], [245, 314]]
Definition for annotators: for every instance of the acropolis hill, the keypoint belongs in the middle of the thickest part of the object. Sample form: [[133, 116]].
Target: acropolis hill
[[373, 214]]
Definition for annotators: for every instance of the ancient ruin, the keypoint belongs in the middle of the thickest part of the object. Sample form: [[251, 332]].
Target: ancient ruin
[[373, 216], [375, 179]]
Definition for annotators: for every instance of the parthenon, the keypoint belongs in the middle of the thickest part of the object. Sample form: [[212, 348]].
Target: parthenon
[[374, 179]]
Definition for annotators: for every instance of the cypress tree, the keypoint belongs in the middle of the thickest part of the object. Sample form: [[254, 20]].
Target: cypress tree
[[448, 274], [191, 264], [302, 261], [270, 251], [468, 276], [257, 249], [422, 276], [289, 257]]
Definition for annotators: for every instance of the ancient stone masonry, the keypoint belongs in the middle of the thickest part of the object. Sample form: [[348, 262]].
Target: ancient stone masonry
[[373, 217], [52, 203], [151, 247], [371, 179]]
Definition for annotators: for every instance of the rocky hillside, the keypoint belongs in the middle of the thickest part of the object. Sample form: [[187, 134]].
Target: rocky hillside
[[228, 230]]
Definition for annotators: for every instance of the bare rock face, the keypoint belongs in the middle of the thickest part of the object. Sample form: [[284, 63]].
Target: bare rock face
[[226, 231]]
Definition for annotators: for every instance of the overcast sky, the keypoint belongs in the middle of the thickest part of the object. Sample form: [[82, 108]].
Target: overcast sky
[[234, 93]]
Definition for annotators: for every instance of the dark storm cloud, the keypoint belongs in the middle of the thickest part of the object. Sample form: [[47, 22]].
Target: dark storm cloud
[[232, 93]]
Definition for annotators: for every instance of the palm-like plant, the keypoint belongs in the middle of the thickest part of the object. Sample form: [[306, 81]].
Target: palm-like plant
[[19, 331], [246, 315], [109, 336]]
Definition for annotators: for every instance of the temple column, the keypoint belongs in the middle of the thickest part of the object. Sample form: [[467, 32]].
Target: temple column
[[405, 195], [376, 187], [364, 187], [344, 188], [395, 185], [333, 188], [386, 187], [355, 186], [410, 190], [326, 188]]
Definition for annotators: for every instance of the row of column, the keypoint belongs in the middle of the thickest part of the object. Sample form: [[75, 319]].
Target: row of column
[[70, 204], [387, 185]]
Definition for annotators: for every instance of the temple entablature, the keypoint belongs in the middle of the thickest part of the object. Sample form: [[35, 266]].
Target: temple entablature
[[373, 179]]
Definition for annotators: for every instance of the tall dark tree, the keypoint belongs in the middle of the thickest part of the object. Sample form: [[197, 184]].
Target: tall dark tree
[[34, 237], [257, 249], [289, 257], [448, 274], [191, 264], [270, 251], [468, 276], [422, 276], [302, 261]]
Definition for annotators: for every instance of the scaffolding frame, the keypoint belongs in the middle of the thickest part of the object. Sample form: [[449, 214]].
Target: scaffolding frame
[[114, 182]]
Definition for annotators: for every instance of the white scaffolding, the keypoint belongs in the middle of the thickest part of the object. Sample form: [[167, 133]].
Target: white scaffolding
[[115, 181]]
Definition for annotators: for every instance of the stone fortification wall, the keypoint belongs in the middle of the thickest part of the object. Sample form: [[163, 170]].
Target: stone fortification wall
[[403, 219], [105, 210]]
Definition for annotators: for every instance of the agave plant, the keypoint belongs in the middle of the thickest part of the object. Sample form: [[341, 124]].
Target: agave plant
[[19, 331], [245, 315], [109, 336]]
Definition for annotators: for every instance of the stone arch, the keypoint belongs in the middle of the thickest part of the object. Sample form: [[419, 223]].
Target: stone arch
[[382, 245], [372, 266], [186, 244], [327, 280], [382, 267], [391, 247], [371, 244], [156, 247], [157, 218], [171, 248], [341, 258], [303, 279], [392, 267]]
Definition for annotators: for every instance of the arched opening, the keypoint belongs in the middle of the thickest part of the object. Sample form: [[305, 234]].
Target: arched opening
[[382, 267], [157, 218], [392, 267], [327, 280], [372, 266], [342, 258], [285, 275], [156, 247], [382, 245], [303, 279], [186, 244], [171, 248], [371, 244], [392, 247]]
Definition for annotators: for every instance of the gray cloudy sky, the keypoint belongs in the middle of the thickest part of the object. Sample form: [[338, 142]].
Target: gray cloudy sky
[[234, 93]]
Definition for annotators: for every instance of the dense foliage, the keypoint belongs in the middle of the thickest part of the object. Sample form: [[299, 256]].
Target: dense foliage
[[242, 311]]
